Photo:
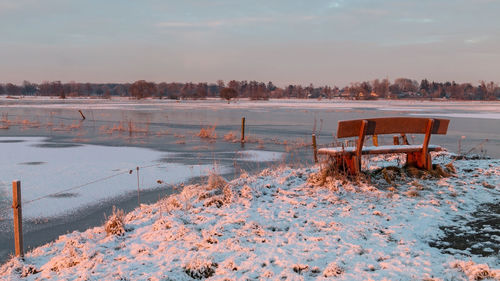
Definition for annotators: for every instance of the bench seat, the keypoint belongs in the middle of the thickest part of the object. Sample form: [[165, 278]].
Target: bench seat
[[349, 158], [383, 149]]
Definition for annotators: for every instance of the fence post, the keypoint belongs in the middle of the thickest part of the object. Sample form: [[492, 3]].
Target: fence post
[[242, 129], [18, 217], [81, 113], [138, 188], [315, 150]]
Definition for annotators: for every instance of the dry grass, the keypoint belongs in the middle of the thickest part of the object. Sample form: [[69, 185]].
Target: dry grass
[[61, 127], [200, 268], [450, 168], [253, 139], [217, 192], [390, 174], [115, 223], [329, 175], [215, 181], [260, 145], [438, 172], [333, 270], [29, 124], [5, 118], [5, 121], [477, 271], [117, 128], [207, 133], [163, 132], [231, 137], [125, 126], [412, 193], [104, 129], [75, 125], [299, 268]]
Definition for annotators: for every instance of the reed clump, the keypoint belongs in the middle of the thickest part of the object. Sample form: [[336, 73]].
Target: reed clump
[[115, 224], [231, 137], [207, 133]]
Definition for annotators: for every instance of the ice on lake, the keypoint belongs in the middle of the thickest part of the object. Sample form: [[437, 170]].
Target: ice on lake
[[82, 175]]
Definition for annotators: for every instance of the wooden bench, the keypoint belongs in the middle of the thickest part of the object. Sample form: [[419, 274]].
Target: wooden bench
[[349, 158]]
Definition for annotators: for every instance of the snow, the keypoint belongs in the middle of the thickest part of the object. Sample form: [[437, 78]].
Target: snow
[[480, 115], [260, 155], [368, 149], [282, 224], [46, 168], [262, 106]]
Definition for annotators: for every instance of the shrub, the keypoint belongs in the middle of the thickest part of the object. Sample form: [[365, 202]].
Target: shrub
[[333, 270], [200, 268], [114, 223], [215, 181]]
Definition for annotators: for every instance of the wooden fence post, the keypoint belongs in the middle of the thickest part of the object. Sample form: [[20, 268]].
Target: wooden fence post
[[81, 113], [242, 129], [315, 150], [138, 188], [18, 217]]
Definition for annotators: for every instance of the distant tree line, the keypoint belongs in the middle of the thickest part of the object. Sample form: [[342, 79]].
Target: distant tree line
[[401, 88]]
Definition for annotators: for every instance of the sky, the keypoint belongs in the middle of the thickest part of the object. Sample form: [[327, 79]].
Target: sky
[[330, 42]]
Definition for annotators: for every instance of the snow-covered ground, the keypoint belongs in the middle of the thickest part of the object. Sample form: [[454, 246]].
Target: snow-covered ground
[[283, 225]]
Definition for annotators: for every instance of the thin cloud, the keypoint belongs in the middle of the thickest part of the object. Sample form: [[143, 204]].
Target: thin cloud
[[335, 4], [235, 22], [413, 41], [475, 40], [417, 20], [175, 24]]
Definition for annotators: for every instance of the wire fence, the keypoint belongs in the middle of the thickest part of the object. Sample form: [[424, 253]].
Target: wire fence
[[97, 180], [248, 139]]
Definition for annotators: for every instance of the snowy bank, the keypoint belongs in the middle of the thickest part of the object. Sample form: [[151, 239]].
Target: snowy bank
[[283, 225]]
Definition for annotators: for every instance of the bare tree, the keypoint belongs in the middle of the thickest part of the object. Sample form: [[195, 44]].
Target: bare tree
[[13, 89], [406, 85], [28, 88], [201, 91], [381, 87], [228, 94], [220, 84], [142, 89]]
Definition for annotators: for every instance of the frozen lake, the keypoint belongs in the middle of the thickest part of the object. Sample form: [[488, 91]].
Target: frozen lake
[[72, 171], [172, 125]]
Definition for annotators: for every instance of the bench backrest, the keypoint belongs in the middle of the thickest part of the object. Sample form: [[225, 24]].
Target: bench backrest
[[391, 125]]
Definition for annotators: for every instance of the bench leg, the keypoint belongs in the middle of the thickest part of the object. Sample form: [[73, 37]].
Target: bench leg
[[419, 160], [349, 164]]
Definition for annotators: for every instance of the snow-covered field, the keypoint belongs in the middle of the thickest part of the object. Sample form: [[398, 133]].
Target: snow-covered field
[[283, 225]]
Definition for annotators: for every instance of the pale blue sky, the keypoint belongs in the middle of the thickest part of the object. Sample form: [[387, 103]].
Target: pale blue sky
[[323, 42]]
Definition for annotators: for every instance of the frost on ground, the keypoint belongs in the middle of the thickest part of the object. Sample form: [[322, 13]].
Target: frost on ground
[[282, 224]]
